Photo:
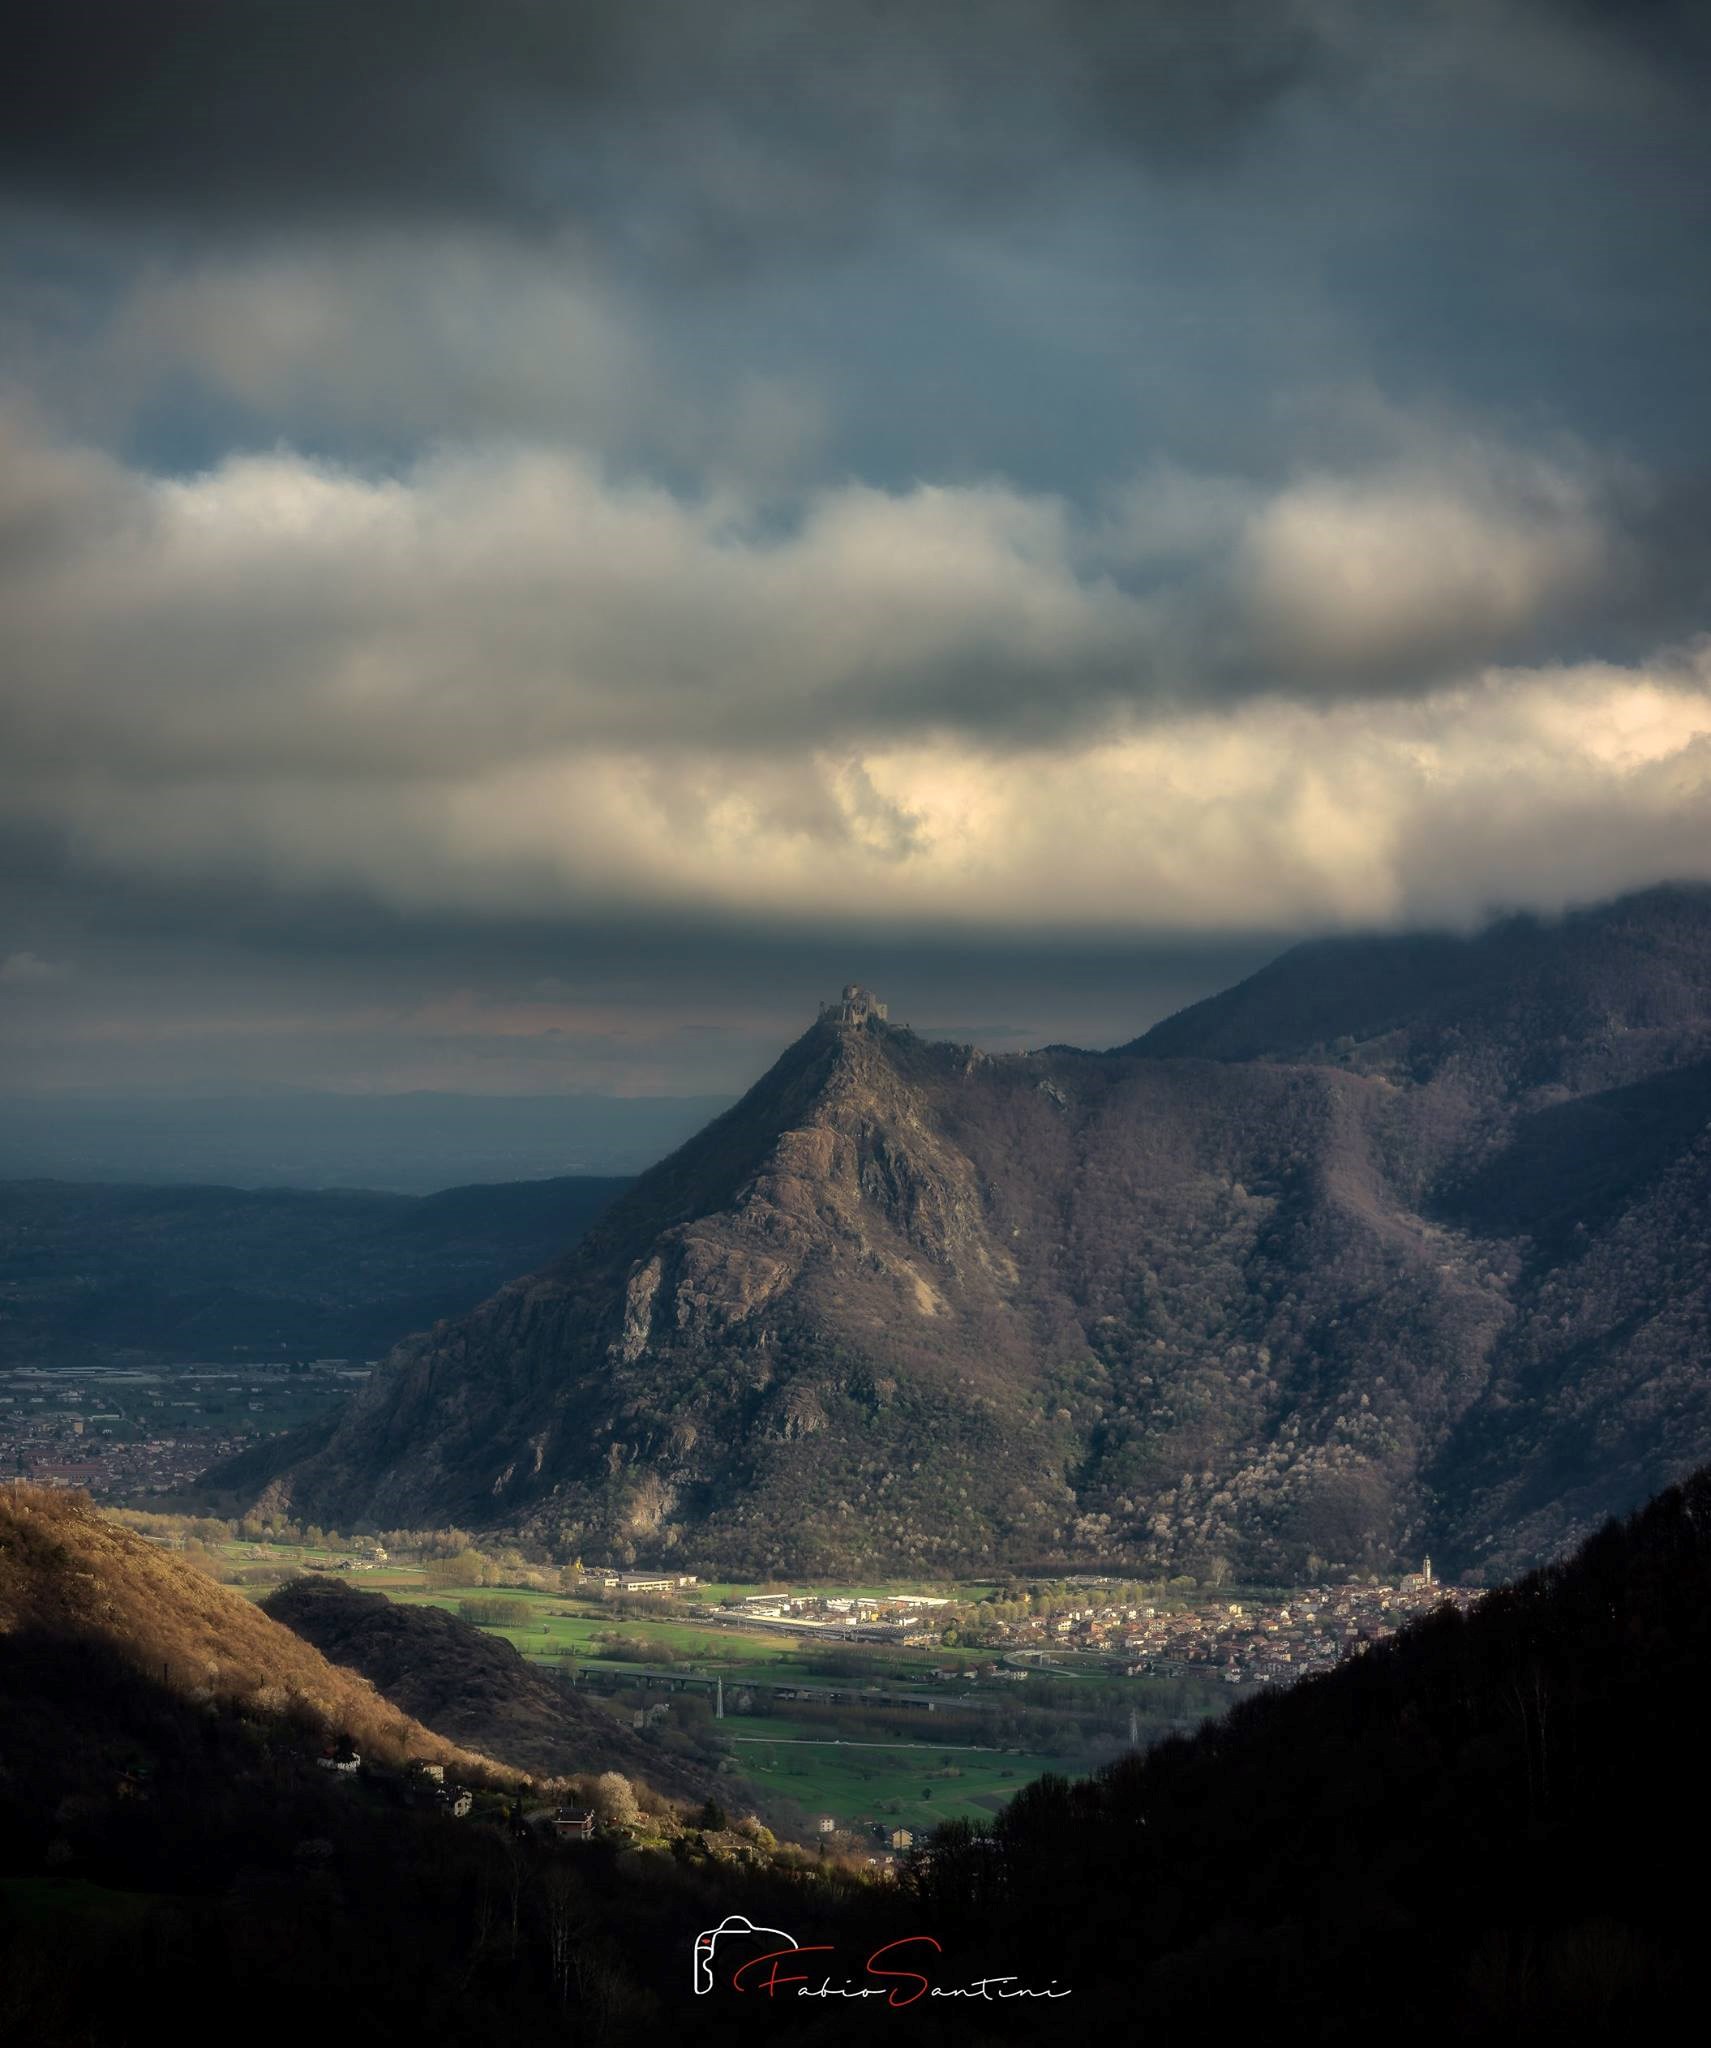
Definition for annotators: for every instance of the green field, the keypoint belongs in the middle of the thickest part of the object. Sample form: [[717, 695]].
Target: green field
[[912, 1785], [861, 1784], [557, 1622], [861, 1764], [553, 1624]]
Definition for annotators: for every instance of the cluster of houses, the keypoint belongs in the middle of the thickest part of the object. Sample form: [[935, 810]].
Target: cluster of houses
[[47, 1440], [896, 1841], [1241, 1642], [426, 1781], [427, 1787], [456, 1800], [124, 1432]]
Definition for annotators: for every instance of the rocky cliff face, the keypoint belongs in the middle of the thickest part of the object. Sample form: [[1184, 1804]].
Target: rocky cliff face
[[1434, 1280]]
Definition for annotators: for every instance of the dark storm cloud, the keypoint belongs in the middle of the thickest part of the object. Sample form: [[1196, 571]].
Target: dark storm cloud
[[1670, 32], [781, 113], [736, 121], [125, 988]]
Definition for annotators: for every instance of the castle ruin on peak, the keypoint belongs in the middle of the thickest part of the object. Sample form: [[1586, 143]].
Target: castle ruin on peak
[[856, 1006]]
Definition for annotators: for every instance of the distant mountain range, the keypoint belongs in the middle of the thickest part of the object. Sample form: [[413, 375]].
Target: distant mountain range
[[415, 1142], [1401, 1245], [91, 1274]]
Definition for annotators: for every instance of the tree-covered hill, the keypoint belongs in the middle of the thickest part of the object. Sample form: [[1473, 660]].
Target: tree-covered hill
[[474, 1687]]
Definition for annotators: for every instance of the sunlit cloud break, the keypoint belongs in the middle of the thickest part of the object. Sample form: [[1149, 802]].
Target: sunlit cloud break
[[504, 681]]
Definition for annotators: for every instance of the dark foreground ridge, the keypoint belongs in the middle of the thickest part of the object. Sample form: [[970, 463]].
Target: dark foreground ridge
[[1475, 1832]]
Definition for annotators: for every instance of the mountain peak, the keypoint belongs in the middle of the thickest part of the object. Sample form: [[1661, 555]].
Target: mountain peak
[[1417, 1230]]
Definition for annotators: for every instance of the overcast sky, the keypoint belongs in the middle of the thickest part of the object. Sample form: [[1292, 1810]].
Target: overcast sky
[[538, 539]]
